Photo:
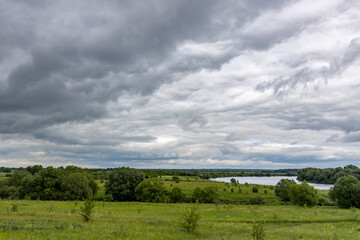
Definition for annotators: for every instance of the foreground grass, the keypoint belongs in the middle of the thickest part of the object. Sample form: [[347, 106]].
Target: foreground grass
[[59, 220]]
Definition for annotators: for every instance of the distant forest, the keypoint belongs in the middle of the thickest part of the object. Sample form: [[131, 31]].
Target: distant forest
[[327, 175], [313, 175]]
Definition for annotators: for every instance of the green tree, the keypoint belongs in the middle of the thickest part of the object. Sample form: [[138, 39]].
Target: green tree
[[346, 192], [282, 189], [205, 195], [303, 194], [176, 195], [190, 219], [87, 208], [77, 186], [122, 183], [151, 190]]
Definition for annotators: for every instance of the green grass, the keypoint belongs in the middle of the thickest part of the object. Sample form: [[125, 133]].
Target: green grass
[[224, 189], [135, 220], [58, 220]]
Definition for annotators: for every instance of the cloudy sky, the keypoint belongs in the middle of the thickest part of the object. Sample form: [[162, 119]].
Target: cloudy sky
[[180, 84]]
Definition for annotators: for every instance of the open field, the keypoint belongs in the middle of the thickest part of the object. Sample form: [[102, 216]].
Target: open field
[[59, 220]]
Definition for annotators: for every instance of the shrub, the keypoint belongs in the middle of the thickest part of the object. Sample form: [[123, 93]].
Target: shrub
[[233, 180], [255, 190], [123, 182], [14, 207], [176, 179], [190, 219], [258, 230], [176, 195], [205, 195], [303, 195], [346, 192], [87, 208], [151, 190], [258, 200], [282, 189]]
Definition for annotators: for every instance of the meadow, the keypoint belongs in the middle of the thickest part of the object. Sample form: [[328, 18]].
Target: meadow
[[230, 219], [135, 220]]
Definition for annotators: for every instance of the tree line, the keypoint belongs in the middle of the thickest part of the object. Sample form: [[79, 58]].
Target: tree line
[[36, 182], [128, 184], [327, 175]]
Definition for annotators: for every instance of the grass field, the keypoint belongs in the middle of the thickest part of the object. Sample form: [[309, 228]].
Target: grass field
[[135, 220], [59, 220]]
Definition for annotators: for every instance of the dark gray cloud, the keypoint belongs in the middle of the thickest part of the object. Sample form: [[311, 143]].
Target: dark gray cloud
[[179, 84]]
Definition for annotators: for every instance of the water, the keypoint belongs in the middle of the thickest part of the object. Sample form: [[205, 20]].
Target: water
[[269, 181]]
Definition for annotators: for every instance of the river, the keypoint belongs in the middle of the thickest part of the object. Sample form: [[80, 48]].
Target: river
[[269, 181]]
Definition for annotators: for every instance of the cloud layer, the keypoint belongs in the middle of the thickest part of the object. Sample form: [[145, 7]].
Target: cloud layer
[[181, 84]]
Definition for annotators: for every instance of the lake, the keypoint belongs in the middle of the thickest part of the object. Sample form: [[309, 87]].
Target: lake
[[269, 181]]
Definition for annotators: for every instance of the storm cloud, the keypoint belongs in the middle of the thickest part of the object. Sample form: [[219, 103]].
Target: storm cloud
[[180, 84]]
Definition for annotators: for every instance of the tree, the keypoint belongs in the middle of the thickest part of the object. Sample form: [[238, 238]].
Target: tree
[[77, 186], [303, 194], [176, 195], [87, 208], [151, 190], [190, 219], [56, 184], [205, 195], [34, 169], [282, 189], [346, 192], [122, 183]]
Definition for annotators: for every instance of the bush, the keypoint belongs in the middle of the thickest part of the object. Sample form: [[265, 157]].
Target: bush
[[255, 190], [123, 182], [176, 195], [258, 230], [190, 219], [87, 209], [205, 195], [303, 195], [282, 189], [346, 192], [258, 200], [176, 179], [151, 190], [14, 207]]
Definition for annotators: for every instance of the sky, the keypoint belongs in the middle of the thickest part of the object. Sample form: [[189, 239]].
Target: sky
[[180, 84]]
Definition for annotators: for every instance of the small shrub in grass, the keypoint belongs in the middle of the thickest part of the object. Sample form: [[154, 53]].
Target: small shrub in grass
[[255, 190], [87, 209], [14, 207], [258, 230], [240, 190], [190, 219]]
